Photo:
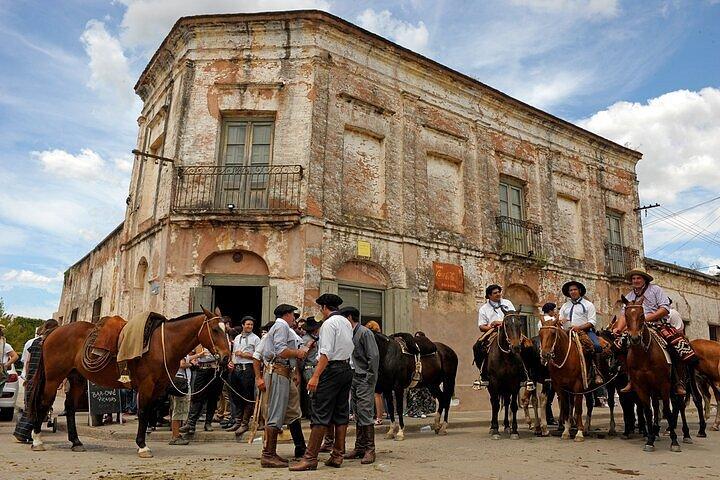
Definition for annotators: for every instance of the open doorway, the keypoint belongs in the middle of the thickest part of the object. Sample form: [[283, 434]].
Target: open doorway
[[237, 302]]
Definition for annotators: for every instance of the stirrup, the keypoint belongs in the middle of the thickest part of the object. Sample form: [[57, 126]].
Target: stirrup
[[530, 386], [124, 379]]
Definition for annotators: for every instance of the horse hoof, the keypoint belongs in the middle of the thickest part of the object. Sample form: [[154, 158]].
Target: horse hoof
[[400, 436], [38, 448], [612, 433], [442, 430], [675, 448], [687, 440], [565, 436], [390, 436], [496, 436], [514, 436], [507, 430], [714, 428], [579, 439], [702, 434], [625, 437], [649, 448], [145, 453], [78, 448]]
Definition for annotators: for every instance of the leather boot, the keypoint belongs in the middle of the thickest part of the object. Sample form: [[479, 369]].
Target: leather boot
[[338, 451], [627, 388], [270, 458], [310, 459], [680, 379], [329, 439], [369, 456], [599, 380], [245, 421], [298, 438], [360, 444]]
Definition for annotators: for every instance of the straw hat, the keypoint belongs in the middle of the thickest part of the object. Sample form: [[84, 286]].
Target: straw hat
[[639, 271]]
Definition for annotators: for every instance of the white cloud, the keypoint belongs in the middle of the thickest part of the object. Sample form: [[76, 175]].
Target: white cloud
[[86, 164], [109, 67], [586, 8], [414, 37], [27, 278], [678, 134], [124, 164], [146, 22]]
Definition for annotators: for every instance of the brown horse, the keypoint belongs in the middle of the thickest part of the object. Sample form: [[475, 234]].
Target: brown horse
[[708, 369], [562, 357], [650, 375], [62, 357]]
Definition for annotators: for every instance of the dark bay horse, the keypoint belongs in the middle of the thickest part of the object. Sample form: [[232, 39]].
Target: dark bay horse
[[562, 357], [62, 357], [398, 355], [650, 375], [505, 372]]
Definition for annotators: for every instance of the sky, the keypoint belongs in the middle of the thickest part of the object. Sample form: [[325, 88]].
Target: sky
[[645, 74]]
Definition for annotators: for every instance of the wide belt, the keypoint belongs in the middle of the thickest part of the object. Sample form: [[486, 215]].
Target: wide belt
[[204, 366], [280, 369], [244, 366]]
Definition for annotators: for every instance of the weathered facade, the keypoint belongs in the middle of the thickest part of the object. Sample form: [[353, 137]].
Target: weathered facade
[[309, 155]]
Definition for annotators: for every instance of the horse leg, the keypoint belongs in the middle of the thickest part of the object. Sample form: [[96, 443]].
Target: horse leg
[[506, 407], [685, 428], [525, 404], [671, 415], [716, 393], [49, 390], [564, 400], [542, 405], [698, 401], [513, 426], [399, 398], [438, 394], [628, 411], [145, 406], [392, 429], [611, 406], [589, 404], [72, 399], [648, 413], [656, 416], [579, 436], [495, 402]]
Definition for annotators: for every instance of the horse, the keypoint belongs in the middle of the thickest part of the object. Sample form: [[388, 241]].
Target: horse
[[707, 374], [650, 375], [62, 357], [537, 398], [506, 373], [399, 357], [566, 377]]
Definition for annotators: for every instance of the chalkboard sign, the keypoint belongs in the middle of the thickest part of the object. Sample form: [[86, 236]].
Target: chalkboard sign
[[103, 400]]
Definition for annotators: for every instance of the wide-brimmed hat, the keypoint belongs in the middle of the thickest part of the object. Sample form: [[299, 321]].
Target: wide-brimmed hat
[[283, 308], [580, 286], [311, 324], [329, 300], [639, 271]]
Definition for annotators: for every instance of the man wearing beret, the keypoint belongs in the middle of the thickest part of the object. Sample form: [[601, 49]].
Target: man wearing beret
[[281, 351], [330, 385]]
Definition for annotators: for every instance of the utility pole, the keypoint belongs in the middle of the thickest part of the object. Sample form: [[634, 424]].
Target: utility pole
[[646, 208]]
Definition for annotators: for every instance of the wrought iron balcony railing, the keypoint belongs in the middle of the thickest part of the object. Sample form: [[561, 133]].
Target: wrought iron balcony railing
[[619, 259], [520, 237], [237, 189]]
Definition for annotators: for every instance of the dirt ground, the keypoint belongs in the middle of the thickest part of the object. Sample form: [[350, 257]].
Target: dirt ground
[[466, 452]]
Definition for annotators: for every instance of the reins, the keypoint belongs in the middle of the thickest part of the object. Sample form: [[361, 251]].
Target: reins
[[552, 350]]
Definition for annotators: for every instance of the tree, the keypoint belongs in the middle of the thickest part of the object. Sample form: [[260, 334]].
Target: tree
[[19, 330]]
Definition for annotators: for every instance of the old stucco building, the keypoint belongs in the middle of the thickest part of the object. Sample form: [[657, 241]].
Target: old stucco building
[[290, 154]]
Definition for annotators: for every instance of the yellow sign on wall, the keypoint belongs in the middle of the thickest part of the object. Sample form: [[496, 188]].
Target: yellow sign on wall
[[364, 249]]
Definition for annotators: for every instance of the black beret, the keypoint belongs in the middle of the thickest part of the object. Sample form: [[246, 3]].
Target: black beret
[[548, 307], [283, 308], [350, 311], [247, 317], [329, 300], [311, 324]]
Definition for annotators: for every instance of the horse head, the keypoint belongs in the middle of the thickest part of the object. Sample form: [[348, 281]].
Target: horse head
[[212, 335], [634, 319], [513, 326], [549, 332]]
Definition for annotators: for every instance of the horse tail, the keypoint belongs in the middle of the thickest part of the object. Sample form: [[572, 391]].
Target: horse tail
[[449, 364], [37, 388]]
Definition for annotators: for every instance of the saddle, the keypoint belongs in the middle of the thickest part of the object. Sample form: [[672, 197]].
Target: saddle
[[589, 348], [134, 340], [106, 334], [418, 346]]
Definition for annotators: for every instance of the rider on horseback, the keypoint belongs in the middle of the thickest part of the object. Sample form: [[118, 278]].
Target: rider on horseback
[[656, 306], [579, 315], [490, 318]]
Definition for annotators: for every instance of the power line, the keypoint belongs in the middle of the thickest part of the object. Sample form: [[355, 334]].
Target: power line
[[693, 238], [688, 228], [679, 212]]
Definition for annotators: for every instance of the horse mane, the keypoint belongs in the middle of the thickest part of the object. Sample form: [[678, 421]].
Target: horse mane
[[183, 317]]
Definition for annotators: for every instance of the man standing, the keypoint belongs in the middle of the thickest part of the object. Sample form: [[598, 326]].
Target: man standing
[[656, 308], [490, 317], [365, 362], [310, 339], [281, 352], [242, 379], [330, 385], [206, 382], [579, 315]]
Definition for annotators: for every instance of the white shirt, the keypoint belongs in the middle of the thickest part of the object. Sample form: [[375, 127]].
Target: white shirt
[[245, 343], [582, 312], [675, 320], [259, 348], [26, 355], [494, 313], [336, 338], [7, 348]]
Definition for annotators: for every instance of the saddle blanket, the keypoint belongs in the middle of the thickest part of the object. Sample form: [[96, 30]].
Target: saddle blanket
[[677, 340], [108, 334], [134, 339]]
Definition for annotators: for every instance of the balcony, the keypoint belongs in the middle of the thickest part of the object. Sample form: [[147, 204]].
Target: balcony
[[619, 259], [237, 190], [520, 237]]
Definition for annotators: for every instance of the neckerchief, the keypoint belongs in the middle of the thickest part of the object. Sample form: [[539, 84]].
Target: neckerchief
[[574, 304]]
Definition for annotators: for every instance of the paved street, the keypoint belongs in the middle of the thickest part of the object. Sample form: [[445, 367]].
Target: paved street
[[467, 452]]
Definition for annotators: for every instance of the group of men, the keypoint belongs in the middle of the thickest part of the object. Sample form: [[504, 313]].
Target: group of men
[[578, 314], [339, 360]]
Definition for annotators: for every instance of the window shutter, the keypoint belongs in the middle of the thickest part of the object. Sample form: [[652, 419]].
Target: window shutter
[[328, 286], [397, 311], [201, 297], [269, 302]]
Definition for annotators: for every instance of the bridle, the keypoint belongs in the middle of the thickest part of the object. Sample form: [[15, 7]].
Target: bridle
[[643, 330], [552, 349], [505, 334]]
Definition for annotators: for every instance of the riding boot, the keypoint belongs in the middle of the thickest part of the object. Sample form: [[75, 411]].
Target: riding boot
[[298, 438], [627, 388], [599, 380], [309, 461], [329, 440], [193, 416], [245, 421], [680, 378], [338, 451], [360, 443], [270, 458], [369, 456]]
